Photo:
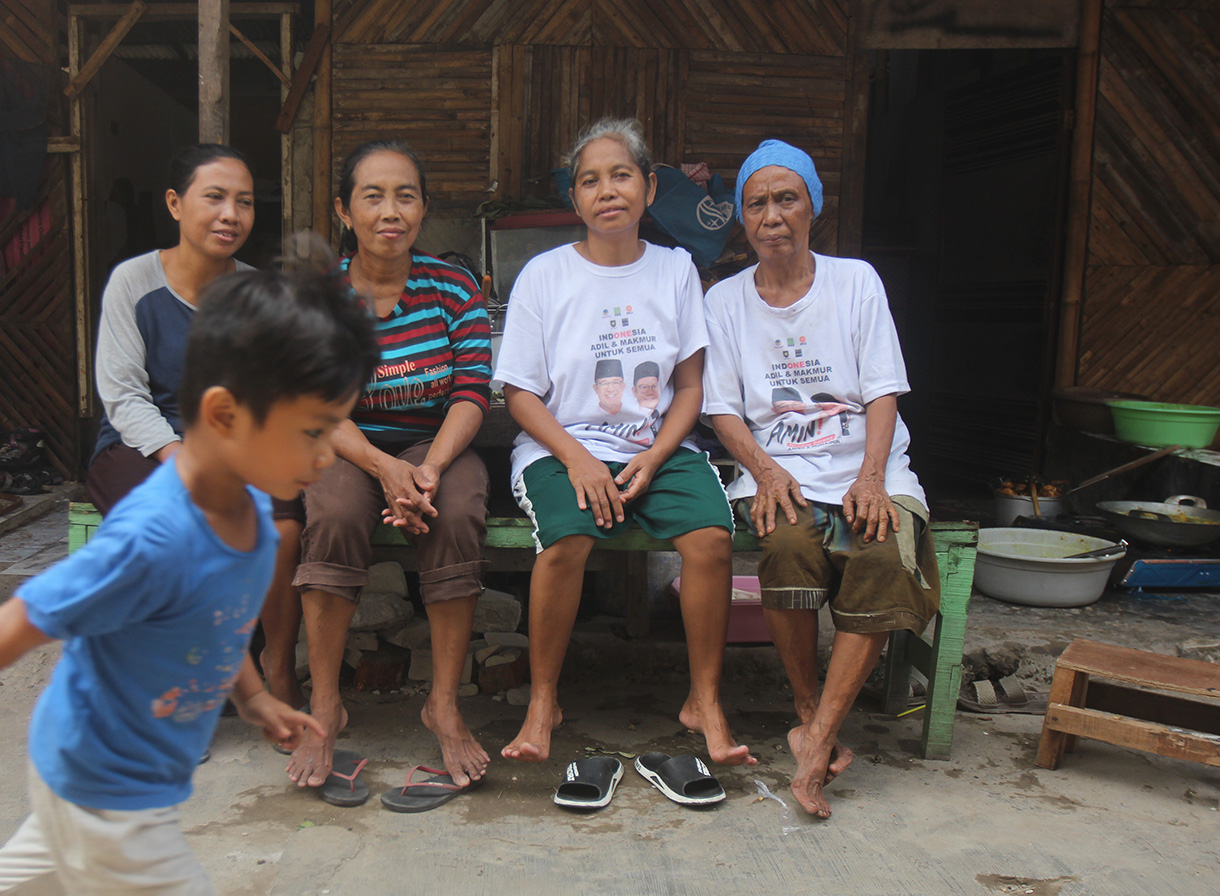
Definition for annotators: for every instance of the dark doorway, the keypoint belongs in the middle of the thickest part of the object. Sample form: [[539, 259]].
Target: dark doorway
[[964, 201]]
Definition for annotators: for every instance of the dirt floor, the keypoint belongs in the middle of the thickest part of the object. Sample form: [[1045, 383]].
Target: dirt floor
[[1109, 821]]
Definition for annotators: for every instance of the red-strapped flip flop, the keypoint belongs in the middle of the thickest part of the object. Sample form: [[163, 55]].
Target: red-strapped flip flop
[[420, 796]]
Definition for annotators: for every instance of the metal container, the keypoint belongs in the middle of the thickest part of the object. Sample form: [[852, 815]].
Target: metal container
[[1181, 521], [1030, 567], [1009, 507]]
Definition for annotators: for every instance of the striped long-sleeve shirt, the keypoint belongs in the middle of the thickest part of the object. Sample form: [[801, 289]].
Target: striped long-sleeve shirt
[[435, 350]]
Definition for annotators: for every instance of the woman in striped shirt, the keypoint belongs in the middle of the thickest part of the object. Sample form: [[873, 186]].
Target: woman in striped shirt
[[404, 456]]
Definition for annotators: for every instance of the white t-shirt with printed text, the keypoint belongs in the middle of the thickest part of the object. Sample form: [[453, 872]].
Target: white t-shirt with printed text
[[571, 321], [801, 376]]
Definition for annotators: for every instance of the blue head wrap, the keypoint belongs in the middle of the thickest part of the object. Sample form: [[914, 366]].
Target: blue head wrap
[[777, 152]]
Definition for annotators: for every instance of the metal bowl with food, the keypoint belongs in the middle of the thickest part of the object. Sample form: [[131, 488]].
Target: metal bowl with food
[[1013, 499], [1034, 567], [1181, 521]]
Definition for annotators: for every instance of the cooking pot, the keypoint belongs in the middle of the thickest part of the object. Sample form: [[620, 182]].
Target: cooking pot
[[1180, 521]]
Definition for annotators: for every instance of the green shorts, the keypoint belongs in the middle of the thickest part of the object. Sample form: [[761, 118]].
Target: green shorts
[[881, 586], [684, 495]]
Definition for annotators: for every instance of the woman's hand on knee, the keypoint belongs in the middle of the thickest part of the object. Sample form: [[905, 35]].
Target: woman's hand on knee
[[637, 475], [596, 490]]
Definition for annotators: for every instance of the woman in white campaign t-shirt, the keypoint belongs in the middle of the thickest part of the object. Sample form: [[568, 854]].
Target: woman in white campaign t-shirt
[[602, 362]]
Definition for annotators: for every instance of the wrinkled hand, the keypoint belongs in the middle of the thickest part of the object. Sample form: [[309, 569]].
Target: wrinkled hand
[[596, 490], [868, 508], [281, 723], [776, 488], [637, 475], [408, 492]]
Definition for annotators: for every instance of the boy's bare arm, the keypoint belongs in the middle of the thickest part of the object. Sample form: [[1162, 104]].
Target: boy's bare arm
[[18, 635], [281, 723]]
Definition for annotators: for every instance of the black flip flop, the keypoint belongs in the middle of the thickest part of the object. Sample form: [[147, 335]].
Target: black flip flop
[[684, 779], [426, 793], [344, 786], [589, 783]]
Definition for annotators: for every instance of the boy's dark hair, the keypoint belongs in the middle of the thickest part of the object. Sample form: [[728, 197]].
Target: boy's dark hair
[[270, 335], [182, 169]]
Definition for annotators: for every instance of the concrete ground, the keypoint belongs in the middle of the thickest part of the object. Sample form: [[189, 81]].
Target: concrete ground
[[1109, 821]]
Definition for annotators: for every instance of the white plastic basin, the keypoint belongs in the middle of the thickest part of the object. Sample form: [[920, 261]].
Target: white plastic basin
[[1028, 566]]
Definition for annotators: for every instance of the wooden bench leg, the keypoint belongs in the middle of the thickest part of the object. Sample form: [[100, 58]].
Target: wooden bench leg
[[1067, 689], [944, 669], [639, 607]]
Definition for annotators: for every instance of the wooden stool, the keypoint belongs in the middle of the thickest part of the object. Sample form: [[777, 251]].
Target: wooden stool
[[1126, 715]]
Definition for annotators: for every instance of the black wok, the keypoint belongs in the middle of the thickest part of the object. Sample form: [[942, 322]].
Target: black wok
[[1181, 521]]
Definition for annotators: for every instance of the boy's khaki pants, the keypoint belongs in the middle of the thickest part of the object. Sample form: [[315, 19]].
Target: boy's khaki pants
[[63, 848]]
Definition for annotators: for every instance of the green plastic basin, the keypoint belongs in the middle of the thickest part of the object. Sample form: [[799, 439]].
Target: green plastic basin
[[1157, 424]]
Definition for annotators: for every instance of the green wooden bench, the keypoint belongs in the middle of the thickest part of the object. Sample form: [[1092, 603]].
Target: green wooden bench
[[937, 654]]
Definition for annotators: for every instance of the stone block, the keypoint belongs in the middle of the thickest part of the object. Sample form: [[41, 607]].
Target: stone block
[[387, 578], [496, 611], [482, 656], [467, 690], [467, 671], [414, 635], [421, 665], [507, 639], [351, 656], [519, 696], [379, 610], [504, 657], [363, 640]]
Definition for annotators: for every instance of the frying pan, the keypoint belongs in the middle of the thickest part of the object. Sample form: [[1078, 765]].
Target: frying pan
[[1181, 521]]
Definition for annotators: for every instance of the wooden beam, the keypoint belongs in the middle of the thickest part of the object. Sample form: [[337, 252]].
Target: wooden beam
[[1080, 191], [259, 54], [214, 71], [16, 45], [855, 147], [63, 144], [322, 205], [166, 11], [300, 81], [105, 48]]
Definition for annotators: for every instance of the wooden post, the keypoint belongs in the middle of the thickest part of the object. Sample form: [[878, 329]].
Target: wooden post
[[855, 132], [1080, 186], [322, 208], [286, 142], [80, 242], [214, 71]]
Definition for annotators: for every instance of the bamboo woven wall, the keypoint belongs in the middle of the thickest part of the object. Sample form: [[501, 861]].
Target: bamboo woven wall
[[492, 92], [37, 311], [37, 329], [1152, 290]]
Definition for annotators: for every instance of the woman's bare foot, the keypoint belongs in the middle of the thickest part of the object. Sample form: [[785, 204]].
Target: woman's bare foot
[[282, 682], [813, 759], [709, 720], [533, 741], [464, 759], [311, 762]]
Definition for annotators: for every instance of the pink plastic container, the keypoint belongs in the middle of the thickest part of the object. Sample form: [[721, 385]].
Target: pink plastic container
[[746, 623]]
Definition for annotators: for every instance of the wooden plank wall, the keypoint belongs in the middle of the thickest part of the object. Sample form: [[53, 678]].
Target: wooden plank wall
[[37, 329], [1152, 289], [495, 90]]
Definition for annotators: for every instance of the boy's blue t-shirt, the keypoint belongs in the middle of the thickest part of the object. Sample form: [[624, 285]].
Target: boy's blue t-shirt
[[156, 613]]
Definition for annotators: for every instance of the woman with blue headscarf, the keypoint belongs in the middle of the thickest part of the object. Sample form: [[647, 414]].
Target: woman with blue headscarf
[[801, 383]]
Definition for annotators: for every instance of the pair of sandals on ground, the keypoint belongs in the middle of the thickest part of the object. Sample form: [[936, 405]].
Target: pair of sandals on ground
[[587, 784]]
